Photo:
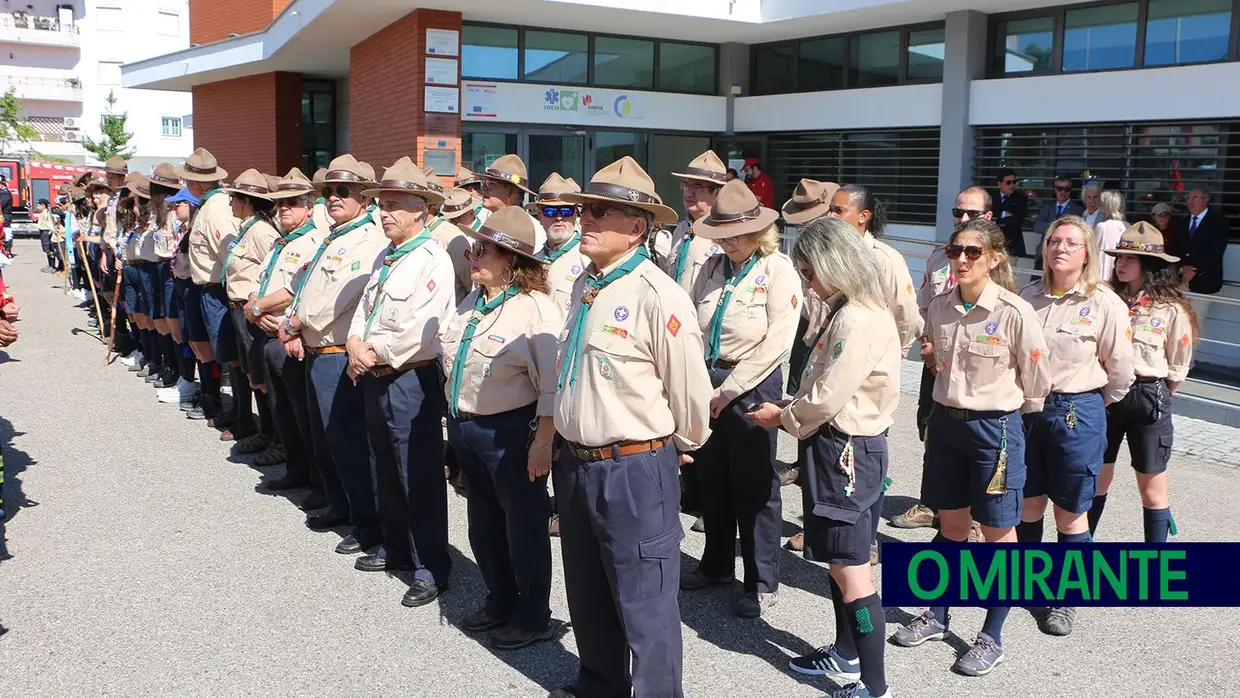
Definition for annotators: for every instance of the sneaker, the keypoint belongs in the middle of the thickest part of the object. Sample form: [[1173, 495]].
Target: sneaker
[[982, 657], [1059, 621], [857, 690], [917, 516], [796, 543], [695, 581], [752, 605], [922, 629], [826, 661], [183, 391], [874, 554]]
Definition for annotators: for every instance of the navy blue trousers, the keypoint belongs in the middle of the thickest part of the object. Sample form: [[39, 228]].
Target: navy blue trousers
[[338, 431], [286, 385]]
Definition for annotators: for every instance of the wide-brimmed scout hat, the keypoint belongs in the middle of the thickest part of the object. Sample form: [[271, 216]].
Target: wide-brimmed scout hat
[[346, 169], [810, 200], [432, 179], [466, 177], [1142, 239], [77, 194], [116, 165], [455, 203], [292, 185], [736, 211], [165, 175], [404, 177], [201, 166], [83, 179], [251, 183], [94, 185], [624, 182], [553, 189], [512, 229], [138, 185], [706, 167], [510, 169], [319, 174]]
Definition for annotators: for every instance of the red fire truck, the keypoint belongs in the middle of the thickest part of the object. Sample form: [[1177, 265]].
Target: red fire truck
[[31, 180]]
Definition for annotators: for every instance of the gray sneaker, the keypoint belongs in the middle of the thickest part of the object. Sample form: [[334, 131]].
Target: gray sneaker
[[826, 661], [752, 605], [982, 657], [695, 581], [1059, 621], [857, 690], [923, 628]]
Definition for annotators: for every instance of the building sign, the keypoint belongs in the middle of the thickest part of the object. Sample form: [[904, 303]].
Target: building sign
[[444, 100], [588, 106], [442, 42], [440, 71]]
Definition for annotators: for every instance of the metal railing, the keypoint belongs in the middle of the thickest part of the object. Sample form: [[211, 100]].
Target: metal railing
[[41, 30]]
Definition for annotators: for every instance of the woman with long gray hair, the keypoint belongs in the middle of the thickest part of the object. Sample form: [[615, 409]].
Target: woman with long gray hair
[[843, 404]]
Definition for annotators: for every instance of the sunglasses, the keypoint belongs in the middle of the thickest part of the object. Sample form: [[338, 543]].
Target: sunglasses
[[603, 210], [973, 252], [559, 211], [339, 190], [477, 250], [1063, 188], [295, 202], [1009, 182], [970, 212]]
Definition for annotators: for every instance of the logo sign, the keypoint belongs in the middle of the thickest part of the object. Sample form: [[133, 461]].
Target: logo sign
[[561, 100]]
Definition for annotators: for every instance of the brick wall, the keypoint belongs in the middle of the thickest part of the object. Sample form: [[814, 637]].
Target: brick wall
[[387, 72], [251, 122], [213, 20]]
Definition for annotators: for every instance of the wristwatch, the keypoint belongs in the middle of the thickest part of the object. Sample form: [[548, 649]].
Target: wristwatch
[[255, 311], [288, 325]]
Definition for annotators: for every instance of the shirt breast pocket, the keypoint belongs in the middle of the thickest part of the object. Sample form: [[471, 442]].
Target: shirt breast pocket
[[498, 357], [393, 301], [752, 312], [1147, 344], [1075, 343], [609, 356], [984, 363]]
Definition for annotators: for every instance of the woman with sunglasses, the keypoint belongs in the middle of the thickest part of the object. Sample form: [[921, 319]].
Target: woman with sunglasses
[[1090, 364], [985, 346], [844, 402], [1164, 329], [748, 304], [499, 354]]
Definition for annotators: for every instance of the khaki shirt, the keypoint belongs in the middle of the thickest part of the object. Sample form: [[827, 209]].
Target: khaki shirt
[[700, 249], [512, 358], [245, 262], [129, 249], [1162, 340], [157, 244], [213, 230], [852, 379], [661, 245], [416, 302], [990, 358], [760, 322], [938, 278], [180, 260], [334, 286], [454, 241], [111, 229], [293, 257], [640, 374], [898, 287], [562, 274], [1086, 339], [322, 221]]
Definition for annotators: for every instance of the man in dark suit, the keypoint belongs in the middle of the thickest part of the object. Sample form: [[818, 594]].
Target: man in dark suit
[[1010, 208], [1200, 243], [1063, 205]]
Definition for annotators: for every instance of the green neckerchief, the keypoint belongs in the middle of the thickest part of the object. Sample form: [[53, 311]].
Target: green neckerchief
[[794, 380], [265, 277], [577, 333], [327, 241], [550, 256], [967, 306], [482, 308], [477, 224], [430, 227], [206, 197], [679, 271], [245, 228], [320, 201], [391, 259], [716, 322]]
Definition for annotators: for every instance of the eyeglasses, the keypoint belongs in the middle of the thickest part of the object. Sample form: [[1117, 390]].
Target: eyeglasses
[[1009, 182], [603, 210], [970, 212], [1063, 188], [295, 202], [559, 211], [688, 186], [972, 252], [339, 190], [1069, 245]]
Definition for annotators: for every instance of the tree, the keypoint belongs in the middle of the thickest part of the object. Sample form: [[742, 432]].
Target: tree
[[15, 129], [36, 155], [115, 138]]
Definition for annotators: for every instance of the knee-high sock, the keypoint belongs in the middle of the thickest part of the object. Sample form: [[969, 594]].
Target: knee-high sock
[[1029, 531], [266, 425], [993, 625], [866, 623], [845, 644], [1158, 523], [150, 347], [940, 612], [1095, 512], [1073, 537], [172, 353], [187, 362], [209, 374]]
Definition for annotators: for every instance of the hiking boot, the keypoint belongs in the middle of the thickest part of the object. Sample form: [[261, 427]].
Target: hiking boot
[[1059, 621], [982, 657], [917, 516], [752, 605], [922, 629]]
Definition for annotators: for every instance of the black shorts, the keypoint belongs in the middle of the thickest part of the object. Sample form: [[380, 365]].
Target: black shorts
[[837, 511], [1144, 417]]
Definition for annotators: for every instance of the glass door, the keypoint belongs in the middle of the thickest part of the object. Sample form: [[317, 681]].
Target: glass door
[[547, 152], [481, 148]]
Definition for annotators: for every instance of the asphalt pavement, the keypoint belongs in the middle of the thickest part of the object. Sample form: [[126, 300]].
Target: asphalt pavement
[[146, 560]]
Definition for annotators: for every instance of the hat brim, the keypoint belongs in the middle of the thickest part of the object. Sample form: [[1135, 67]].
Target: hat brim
[[430, 196], [291, 193], [243, 192], [122, 173], [527, 190], [765, 218], [801, 216], [97, 184], [218, 175], [479, 235], [558, 201], [662, 214], [359, 182], [1161, 255], [453, 215], [699, 178]]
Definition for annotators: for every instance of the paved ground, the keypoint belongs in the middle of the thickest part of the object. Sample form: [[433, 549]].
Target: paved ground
[[148, 561]]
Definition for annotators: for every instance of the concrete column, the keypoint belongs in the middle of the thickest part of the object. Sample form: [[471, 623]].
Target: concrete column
[[733, 70], [963, 62]]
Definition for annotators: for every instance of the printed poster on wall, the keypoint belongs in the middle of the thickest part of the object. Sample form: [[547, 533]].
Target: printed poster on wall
[[440, 71], [444, 100], [442, 42], [480, 100]]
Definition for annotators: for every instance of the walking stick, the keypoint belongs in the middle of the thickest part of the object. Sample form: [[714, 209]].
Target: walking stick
[[90, 279], [116, 297]]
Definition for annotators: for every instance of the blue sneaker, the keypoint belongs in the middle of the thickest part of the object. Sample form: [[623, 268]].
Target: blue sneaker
[[826, 661]]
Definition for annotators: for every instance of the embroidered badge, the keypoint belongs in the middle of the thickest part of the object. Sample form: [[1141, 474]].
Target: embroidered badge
[[715, 249], [621, 314], [576, 269], [673, 325], [837, 349], [618, 331], [753, 313], [1184, 340], [392, 315], [760, 289], [357, 264], [794, 301], [1071, 419], [910, 287], [605, 369], [992, 327], [1128, 333], [1156, 322], [1085, 311], [760, 279], [292, 258], [340, 252], [1036, 355], [987, 339], [495, 338], [486, 371], [430, 286]]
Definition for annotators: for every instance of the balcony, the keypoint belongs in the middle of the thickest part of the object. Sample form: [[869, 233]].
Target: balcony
[[43, 89], [21, 28]]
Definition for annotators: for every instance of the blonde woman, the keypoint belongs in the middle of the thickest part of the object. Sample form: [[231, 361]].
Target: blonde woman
[[1111, 224]]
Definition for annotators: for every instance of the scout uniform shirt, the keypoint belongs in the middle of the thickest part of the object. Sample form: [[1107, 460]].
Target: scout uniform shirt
[[760, 321], [852, 379], [402, 318], [244, 258], [938, 278], [329, 291], [1162, 339], [180, 259], [454, 241], [698, 251], [111, 229], [213, 229], [280, 266], [157, 244], [1087, 345], [898, 288], [567, 263], [990, 357], [511, 359], [640, 374], [322, 221]]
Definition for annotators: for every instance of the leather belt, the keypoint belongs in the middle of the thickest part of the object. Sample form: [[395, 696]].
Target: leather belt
[[1148, 379], [720, 363], [237, 305], [971, 415], [381, 371], [616, 450], [334, 349]]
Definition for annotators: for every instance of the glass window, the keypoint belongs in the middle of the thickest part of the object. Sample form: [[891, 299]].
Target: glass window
[[773, 70], [610, 146], [925, 54], [480, 149], [686, 67], [488, 52], [875, 59], [822, 63], [556, 57], [623, 62], [171, 126], [1187, 31], [1024, 45], [323, 111], [1100, 38]]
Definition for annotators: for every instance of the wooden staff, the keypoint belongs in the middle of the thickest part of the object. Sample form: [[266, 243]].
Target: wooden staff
[[90, 279], [116, 298]]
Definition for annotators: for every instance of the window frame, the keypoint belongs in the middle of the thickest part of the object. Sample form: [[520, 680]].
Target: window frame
[[180, 124], [160, 13]]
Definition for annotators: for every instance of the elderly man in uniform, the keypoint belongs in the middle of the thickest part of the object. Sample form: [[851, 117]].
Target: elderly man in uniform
[[316, 327], [505, 183], [472, 183], [393, 347], [559, 219], [699, 184], [632, 392]]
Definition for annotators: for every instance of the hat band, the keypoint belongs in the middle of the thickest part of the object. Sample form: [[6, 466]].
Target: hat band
[[290, 186], [507, 177], [802, 205], [164, 180], [741, 217], [467, 182], [556, 196], [251, 188], [1140, 246], [620, 193], [198, 170], [505, 240], [721, 177], [342, 174], [453, 208], [411, 187]]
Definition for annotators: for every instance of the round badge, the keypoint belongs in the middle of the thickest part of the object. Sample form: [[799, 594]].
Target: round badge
[[758, 281], [622, 313], [340, 252], [992, 327], [576, 269], [1085, 311], [1156, 322]]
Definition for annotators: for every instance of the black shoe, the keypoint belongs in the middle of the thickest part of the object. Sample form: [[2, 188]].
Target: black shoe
[[351, 545], [316, 500], [481, 621], [225, 422], [422, 592], [510, 638], [167, 379], [374, 563], [287, 483], [153, 374], [323, 522]]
